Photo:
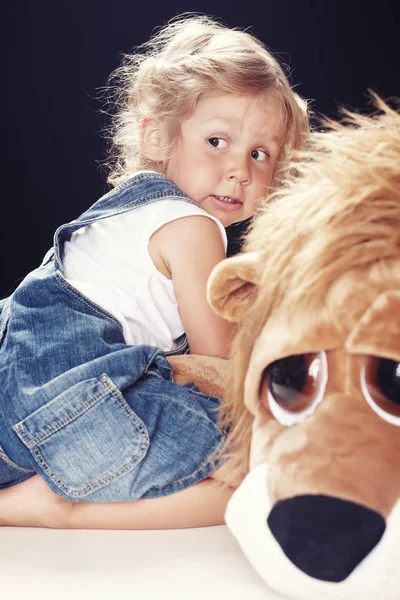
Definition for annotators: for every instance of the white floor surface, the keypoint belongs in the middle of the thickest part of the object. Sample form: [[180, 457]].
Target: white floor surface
[[190, 564]]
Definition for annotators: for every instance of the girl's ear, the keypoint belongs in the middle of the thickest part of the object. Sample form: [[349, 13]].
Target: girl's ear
[[153, 142], [233, 285]]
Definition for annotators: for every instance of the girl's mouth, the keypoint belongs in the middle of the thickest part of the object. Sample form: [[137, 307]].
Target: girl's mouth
[[227, 202]]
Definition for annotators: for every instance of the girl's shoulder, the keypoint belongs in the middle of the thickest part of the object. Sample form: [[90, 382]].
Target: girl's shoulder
[[158, 214]]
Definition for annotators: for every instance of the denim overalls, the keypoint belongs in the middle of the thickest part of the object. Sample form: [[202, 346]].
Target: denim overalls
[[98, 419]]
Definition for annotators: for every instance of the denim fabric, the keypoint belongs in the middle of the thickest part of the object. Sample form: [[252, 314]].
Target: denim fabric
[[98, 419]]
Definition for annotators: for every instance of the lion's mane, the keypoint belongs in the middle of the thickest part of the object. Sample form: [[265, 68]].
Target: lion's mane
[[338, 210]]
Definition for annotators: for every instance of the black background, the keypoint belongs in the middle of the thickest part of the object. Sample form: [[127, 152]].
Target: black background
[[56, 56]]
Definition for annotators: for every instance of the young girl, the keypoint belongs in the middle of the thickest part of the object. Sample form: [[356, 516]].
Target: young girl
[[206, 116]]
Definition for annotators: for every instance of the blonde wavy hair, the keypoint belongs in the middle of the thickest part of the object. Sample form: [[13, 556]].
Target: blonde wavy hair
[[165, 77], [338, 211]]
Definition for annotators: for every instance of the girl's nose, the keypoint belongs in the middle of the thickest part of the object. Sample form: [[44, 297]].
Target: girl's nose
[[238, 170]]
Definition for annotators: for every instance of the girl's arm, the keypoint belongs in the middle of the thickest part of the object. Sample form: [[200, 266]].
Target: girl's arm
[[187, 250], [33, 504]]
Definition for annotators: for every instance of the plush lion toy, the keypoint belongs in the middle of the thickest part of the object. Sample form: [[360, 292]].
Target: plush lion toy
[[313, 400]]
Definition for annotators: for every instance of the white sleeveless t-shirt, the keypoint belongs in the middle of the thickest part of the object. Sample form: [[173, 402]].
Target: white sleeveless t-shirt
[[109, 263]]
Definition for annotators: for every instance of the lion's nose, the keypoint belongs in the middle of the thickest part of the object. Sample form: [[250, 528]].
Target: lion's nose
[[323, 536]]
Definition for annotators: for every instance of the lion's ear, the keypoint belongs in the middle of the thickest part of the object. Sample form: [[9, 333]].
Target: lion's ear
[[232, 286]]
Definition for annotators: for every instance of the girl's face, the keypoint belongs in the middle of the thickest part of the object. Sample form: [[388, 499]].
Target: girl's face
[[226, 152]]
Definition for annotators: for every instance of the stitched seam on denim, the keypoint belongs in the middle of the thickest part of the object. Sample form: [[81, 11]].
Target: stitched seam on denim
[[57, 425], [11, 463], [142, 450], [96, 485], [149, 198], [203, 395], [132, 205], [168, 398], [74, 293], [134, 178], [144, 200], [206, 463], [205, 466], [100, 482]]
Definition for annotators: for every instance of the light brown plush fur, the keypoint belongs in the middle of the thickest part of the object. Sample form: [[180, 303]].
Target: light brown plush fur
[[209, 373], [321, 270], [318, 290]]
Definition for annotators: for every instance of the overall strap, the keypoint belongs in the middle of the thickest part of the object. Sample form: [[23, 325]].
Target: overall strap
[[141, 189]]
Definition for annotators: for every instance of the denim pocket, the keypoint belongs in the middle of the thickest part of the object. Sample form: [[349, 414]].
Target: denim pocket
[[86, 437]]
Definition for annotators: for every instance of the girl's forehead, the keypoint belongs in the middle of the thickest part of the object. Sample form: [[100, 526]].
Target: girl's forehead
[[259, 114], [228, 106]]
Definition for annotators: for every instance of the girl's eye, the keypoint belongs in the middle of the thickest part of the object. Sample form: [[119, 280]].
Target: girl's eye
[[259, 155], [380, 383], [217, 142], [294, 386]]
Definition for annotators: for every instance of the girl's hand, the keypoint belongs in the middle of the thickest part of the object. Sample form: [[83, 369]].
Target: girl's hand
[[33, 504]]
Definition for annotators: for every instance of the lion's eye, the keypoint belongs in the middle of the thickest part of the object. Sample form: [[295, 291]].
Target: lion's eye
[[294, 386], [380, 383]]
